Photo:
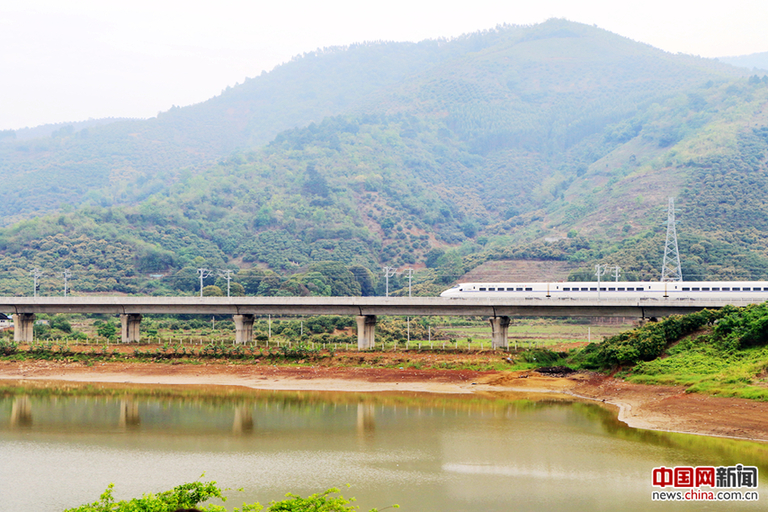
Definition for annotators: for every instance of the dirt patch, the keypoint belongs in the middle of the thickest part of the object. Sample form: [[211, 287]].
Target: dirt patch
[[669, 408]]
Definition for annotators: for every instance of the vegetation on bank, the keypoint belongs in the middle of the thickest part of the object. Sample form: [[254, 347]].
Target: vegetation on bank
[[194, 494], [720, 352]]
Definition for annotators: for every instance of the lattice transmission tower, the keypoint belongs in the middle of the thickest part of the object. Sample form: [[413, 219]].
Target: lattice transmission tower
[[671, 269]]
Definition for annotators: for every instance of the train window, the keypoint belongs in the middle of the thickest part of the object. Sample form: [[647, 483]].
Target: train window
[[510, 289], [704, 289], [518, 289], [611, 289], [585, 289], [736, 289], [745, 289], [602, 289], [491, 289], [566, 289], [715, 288], [482, 289], [620, 289], [726, 289], [695, 289], [630, 289], [593, 289], [686, 289], [529, 289]]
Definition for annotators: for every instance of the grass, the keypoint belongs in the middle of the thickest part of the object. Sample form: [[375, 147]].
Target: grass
[[703, 367], [535, 333]]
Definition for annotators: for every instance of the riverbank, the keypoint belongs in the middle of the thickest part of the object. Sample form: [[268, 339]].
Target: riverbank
[[664, 408]]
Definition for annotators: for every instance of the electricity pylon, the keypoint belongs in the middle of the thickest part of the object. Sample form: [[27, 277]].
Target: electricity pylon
[[36, 274], [409, 272], [227, 274], [671, 269], [66, 274], [203, 273], [388, 272]]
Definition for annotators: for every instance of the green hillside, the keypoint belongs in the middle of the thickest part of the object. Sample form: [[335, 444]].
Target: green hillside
[[557, 141]]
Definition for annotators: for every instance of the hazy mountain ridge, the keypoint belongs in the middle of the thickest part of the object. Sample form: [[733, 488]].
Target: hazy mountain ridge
[[754, 61]]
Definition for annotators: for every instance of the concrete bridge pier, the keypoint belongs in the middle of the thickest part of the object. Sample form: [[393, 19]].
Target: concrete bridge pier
[[243, 328], [499, 330], [130, 327], [23, 325], [366, 332]]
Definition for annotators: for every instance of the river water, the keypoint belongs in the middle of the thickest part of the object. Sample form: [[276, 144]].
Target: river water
[[61, 447]]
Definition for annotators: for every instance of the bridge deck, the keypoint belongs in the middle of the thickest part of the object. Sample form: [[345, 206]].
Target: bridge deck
[[362, 306]]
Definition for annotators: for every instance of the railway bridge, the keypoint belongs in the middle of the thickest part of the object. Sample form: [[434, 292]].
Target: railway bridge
[[499, 311]]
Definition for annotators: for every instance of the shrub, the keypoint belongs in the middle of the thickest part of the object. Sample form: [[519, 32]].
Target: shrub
[[107, 330]]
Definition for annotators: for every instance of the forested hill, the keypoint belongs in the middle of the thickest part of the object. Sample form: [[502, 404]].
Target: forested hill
[[554, 141], [539, 87]]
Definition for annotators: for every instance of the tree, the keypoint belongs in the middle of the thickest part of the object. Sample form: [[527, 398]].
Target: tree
[[251, 279], [433, 256], [316, 283], [450, 267], [185, 279], [61, 323], [364, 278], [107, 330], [236, 290], [212, 291], [315, 183], [342, 281], [270, 284]]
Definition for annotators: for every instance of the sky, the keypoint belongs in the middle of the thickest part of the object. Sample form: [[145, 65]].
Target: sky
[[65, 61]]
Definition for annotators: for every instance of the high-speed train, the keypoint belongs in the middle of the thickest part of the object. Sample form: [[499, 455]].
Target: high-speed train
[[702, 290]]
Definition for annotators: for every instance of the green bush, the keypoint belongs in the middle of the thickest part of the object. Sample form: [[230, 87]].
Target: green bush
[[107, 330], [192, 494], [647, 342], [743, 327]]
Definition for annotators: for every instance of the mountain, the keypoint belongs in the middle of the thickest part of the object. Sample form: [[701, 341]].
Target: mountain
[[557, 141], [126, 162], [753, 61]]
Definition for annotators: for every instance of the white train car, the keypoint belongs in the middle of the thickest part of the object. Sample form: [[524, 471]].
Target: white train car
[[692, 290]]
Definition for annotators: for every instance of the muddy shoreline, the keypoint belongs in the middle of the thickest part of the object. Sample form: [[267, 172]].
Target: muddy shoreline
[[663, 408]]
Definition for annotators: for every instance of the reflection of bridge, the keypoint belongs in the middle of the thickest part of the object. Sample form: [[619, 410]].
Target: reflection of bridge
[[175, 416], [366, 309]]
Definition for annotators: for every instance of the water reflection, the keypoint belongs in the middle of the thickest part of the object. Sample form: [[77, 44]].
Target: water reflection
[[21, 412], [129, 414], [243, 423], [425, 452], [366, 421]]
